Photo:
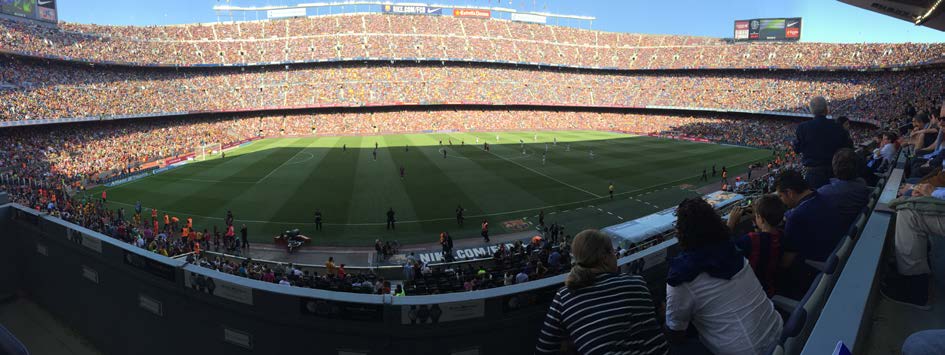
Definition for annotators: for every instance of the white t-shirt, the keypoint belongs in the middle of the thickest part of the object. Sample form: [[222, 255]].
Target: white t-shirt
[[888, 152], [732, 316]]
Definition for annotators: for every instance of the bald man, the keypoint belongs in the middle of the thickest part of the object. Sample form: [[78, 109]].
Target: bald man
[[817, 140]]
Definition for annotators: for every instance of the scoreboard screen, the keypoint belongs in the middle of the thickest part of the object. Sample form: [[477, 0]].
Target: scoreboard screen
[[768, 29], [43, 10]]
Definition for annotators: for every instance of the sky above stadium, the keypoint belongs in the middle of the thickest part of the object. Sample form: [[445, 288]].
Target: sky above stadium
[[823, 20]]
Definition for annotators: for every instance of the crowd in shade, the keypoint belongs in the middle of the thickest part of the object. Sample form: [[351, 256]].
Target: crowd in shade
[[810, 192], [435, 37], [38, 90], [517, 263]]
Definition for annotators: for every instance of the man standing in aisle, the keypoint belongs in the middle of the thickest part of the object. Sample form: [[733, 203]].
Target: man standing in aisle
[[485, 230], [816, 141], [459, 215], [318, 220], [390, 219], [244, 237]]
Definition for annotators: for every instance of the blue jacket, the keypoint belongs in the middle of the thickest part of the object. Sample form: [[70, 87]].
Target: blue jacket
[[813, 228], [849, 196], [818, 139]]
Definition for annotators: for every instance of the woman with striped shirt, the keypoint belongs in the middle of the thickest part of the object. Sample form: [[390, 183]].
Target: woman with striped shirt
[[598, 310]]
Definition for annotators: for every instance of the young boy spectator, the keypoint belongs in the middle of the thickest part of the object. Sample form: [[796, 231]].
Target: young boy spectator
[[762, 247]]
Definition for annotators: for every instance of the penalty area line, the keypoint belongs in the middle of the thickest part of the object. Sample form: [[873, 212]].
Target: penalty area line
[[546, 176], [283, 163]]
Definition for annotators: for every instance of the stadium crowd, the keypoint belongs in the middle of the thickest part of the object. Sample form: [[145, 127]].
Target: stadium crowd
[[34, 90], [436, 37], [814, 187], [801, 225]]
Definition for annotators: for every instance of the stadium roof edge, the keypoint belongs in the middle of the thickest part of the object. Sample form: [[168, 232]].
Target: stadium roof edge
[[912, 11], [350, 3]]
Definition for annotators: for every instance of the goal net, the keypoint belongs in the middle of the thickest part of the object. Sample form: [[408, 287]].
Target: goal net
[[207, 150]]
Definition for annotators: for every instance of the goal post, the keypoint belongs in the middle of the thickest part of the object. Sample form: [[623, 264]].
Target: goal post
[[207, 150]]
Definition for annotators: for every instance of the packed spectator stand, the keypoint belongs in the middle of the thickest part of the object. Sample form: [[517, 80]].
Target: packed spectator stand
[[34, 90], [378, 36], [40, 166]]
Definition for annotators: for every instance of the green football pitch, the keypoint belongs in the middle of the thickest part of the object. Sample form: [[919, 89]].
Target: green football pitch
[[276, 184]]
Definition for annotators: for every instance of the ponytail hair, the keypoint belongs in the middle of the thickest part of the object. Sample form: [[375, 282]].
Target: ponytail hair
[[590, 250]]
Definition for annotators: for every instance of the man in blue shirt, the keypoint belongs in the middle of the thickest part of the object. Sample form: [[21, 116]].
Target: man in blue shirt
[[812, 229], [846, 190], [817, 140]]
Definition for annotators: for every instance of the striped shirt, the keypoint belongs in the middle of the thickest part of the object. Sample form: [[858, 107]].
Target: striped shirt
[[614, 315]]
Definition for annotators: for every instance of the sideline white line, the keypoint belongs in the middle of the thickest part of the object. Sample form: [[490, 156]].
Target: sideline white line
[[283, 163], [171, 179]]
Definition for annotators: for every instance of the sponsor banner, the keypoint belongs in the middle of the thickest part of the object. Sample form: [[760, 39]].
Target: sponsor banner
[[173, 160], [90, 273], [150, 164], [127, 179], [341, 310], [792, 29], [84, 240], [443, 312], [436, 256], [529, 18], [219, 288], [151, 304], [150, 266], [161, 170], [234, 144], [516, 225], [528, 299], [178, 159], [682, 138], [46, 10], [238, 338], [283, 13], [42, 250], [474, 13], [410, 9]]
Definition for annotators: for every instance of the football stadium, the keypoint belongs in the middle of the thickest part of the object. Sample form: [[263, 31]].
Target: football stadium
[[366, 177]]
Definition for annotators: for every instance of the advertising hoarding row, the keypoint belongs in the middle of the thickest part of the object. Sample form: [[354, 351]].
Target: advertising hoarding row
[[529, 18], [285, 13], [457, 12], [768, 29], [411, 10], [474, 13]]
